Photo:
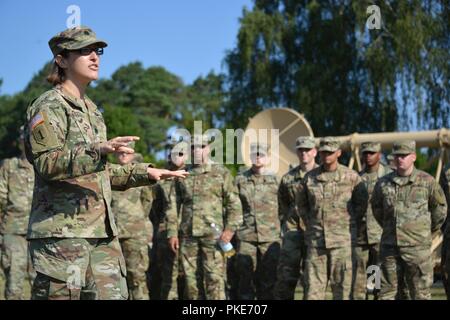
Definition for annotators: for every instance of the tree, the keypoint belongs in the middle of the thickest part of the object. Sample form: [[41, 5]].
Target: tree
[[204, 100], [13, 112], [319, 58], [151, 94]]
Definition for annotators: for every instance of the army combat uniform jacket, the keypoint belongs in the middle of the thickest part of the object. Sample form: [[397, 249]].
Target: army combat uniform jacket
[[206, 196], [410, 208], [369, 230], [16, 194], [131, 212], [287, 206], [72, 197], [331, 203], [259, 197]]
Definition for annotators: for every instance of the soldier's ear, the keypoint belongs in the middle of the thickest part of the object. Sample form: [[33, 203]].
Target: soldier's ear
[[414, 156], [61, 61], [338, 153]]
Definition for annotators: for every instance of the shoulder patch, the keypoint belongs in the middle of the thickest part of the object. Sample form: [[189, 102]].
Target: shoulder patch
[[41, 132], [37, 120]]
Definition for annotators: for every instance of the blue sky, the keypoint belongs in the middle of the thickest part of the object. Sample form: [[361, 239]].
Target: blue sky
[[188, 38]]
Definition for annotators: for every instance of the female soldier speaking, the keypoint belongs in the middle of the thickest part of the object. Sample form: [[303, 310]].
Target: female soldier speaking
[[72, 233]]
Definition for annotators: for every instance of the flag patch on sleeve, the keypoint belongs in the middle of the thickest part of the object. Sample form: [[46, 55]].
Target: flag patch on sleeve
[[37, 120]]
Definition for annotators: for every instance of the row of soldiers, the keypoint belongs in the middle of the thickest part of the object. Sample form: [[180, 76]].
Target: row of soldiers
[[319, 225], [334, 224]]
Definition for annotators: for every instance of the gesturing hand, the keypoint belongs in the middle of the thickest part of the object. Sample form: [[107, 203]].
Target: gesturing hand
[[117, 145], [158, 174]]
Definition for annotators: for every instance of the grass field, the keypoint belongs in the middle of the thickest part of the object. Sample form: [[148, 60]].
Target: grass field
[[437, 293]]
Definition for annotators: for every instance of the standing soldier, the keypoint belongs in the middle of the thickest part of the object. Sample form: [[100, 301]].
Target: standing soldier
[[259, 236], [72, 233], [331, 200], [366, 251], [16, 194], [293, 250], [2, 274], [131, 210], [207, 199], [166, 266], [410, 205], [445, 256]]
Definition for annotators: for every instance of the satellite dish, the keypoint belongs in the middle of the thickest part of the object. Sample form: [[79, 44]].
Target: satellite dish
[[290, 125]]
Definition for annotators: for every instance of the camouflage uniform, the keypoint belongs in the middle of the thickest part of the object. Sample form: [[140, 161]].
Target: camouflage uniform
[[366, 252], [409, 209], [259, 237], [293, 251], [2, 274], [72, 233], [16, 193], [331, 203], [131, 211], [445, 255], [206, 196], [166, 262]]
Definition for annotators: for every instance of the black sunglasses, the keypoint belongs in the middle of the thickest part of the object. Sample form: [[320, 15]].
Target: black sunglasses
[[88, 51]]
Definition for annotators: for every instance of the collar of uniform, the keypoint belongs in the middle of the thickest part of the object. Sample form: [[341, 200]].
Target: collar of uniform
[[23, 162], [401, 180], [380, 172], [383, 170], [78, 103], [323, 176], [296, 172], [253, 176], [299, 173], [205, 167]]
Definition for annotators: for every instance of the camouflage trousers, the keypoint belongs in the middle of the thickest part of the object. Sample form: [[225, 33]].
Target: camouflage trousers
[[232, 277], [363, 256], [445, 266], [411, 263], [204, 268], [76, 268], [323, 265], [291, 265], [135, 253], [2, 274], [16, 264], [257, 266], [165, 271]]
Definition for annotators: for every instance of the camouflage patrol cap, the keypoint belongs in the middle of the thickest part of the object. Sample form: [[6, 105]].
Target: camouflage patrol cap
[[260, 148], [370, 147], [404, 147], [138, 158], [330, 144], [305, 142], [73, 39]]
